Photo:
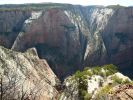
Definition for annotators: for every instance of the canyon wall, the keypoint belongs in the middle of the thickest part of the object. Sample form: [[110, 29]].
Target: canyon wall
[[11, 23], [74, 37]]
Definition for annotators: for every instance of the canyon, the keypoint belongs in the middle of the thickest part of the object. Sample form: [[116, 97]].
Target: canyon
[[70, 37]]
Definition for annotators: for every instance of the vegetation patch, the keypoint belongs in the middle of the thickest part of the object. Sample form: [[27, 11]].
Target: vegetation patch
[[82, 79], [103, 93]]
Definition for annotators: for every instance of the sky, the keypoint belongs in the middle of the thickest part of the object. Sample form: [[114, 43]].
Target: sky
[[81, 2]]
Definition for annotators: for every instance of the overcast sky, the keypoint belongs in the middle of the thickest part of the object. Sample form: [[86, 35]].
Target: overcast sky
[[82, 2]]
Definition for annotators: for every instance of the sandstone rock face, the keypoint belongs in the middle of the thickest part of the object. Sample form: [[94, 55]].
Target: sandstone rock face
[[124, 92], [118, 39], [25, 76], [77, 36], [11, 23], [55, 37], [96, 52], [64, 39], [71, 91]]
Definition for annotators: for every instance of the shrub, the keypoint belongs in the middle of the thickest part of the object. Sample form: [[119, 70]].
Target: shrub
[[82, 76], [96, 70], [116, 79], [87, 96], [86, 69], [110, 69], [126, 82], [115, 6], [103, 93]]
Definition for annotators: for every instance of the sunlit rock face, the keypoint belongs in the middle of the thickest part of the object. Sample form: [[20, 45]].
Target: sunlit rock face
[[78, 36], [26, 76], [55, 37], [122, 92], [96, 52], [66, 38]]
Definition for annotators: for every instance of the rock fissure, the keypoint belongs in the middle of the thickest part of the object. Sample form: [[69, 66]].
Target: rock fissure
[[72, 37]]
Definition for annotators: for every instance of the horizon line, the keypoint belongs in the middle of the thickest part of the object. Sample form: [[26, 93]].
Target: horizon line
[[62, 3]]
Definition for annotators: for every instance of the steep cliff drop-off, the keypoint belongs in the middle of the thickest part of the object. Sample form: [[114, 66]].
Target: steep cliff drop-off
[[72, 37]]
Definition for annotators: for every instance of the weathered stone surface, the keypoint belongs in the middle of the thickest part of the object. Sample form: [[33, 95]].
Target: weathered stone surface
[[25, 75], [123, 92]]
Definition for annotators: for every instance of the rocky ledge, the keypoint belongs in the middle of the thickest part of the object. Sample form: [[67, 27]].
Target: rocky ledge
[[26, 77]]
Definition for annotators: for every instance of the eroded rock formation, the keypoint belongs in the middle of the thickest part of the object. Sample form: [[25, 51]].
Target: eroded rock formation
[[26, 77], [77, 36]]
